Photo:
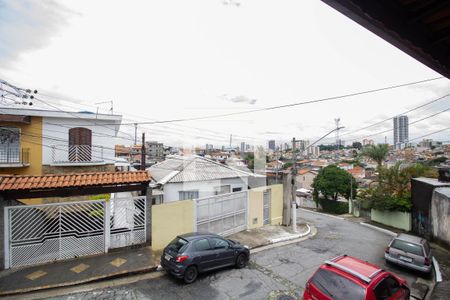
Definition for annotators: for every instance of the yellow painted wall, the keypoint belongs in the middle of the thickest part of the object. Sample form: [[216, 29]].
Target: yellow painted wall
[[276, 208], [170, 220], [255, 205], [31, 138]]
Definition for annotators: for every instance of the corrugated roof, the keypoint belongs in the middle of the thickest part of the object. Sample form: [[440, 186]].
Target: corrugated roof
[[25, 182], [192, 168]]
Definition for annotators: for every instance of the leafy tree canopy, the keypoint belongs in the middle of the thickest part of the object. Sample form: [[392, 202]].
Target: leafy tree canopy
[[333, 181]]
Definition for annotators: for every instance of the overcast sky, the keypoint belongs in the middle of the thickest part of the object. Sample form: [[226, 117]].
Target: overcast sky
[[160, 60]]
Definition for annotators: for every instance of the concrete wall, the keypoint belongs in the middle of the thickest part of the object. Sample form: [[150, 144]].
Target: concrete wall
[[3, 204], [255, 208], [169, 220], [440, 215], [205, 188], [276, 208], [396, 219]]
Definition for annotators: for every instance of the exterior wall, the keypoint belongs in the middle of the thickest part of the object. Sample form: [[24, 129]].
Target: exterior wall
[[46, 169], [256, 203], [31, 138], [276, 205], [205, 188], [396, 219], [170, 220], [58, 130], [440, 215], [255, 208], [305, 181]]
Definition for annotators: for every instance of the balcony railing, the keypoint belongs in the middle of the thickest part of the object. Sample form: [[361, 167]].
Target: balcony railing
[[14, 156], [77, 154]]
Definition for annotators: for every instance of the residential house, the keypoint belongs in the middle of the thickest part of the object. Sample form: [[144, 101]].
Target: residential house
[[192, 177], [37, 142], [305, 178], [357, 172]]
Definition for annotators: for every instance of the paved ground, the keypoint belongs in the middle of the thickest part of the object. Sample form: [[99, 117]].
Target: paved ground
[[279, 269], [79, 270]]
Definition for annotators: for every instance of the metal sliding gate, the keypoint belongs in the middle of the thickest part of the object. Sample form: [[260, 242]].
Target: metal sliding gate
[[37, 234], [222, 214], [266, 207]]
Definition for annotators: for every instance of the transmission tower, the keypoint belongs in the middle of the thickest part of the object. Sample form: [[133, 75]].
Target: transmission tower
[[338, 141]]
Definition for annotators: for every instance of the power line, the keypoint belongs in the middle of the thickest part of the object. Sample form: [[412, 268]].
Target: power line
[[287, 105]]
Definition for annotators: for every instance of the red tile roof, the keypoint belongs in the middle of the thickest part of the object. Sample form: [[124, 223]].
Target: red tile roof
[[25, 182]]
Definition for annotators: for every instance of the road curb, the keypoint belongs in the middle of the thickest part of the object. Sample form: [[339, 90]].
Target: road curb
[[322, 214], [391, 233], [292, 237], [79, 282], [312, 233]]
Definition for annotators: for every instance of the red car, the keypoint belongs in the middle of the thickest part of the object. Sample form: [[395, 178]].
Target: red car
[[346, 277]]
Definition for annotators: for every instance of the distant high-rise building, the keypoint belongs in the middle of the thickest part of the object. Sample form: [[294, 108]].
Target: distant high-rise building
[[401, 131], [302, 145], [272, 145], [367, 142], [242, 152]]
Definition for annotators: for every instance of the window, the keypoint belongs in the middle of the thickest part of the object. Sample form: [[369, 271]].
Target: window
[[238, 189], [386, 288], [408, 247], [336, 286], [188, 195], [224, 189], [217, 243], [201, 245], [178, 244], [9, 144], [80, 144]]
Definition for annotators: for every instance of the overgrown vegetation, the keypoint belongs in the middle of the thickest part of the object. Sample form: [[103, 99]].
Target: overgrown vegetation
[[334, 207], [332, 182], [392, 192]]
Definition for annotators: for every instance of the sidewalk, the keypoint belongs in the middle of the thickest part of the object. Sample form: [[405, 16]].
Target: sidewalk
[[269, 234], [77, 271]]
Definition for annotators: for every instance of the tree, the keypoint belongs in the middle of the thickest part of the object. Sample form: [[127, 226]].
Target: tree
[[332, 182], [377, 153]]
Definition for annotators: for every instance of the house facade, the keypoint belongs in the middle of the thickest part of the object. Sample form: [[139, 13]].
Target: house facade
[[182, 178], [37, 142], [305, 178]]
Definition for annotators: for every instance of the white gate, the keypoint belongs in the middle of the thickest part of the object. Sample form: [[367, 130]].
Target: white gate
[[222, 214], [43, 233], [127, 225]]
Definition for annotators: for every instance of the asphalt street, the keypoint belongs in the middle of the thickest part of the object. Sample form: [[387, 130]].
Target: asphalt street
[[276, 271]]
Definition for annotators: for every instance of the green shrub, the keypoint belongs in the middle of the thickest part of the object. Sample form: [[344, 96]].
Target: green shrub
[[334, 207]]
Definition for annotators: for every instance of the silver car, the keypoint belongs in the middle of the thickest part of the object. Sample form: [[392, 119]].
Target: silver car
[[410, 251]]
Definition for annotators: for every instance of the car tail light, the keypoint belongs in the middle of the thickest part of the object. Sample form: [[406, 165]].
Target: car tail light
[[181, 258], [386, 250], [427, 261]]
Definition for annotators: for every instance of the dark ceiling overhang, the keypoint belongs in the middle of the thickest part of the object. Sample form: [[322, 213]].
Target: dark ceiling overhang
[[420, 28]]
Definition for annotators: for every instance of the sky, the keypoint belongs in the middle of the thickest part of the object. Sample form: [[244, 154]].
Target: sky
[[165, 60]]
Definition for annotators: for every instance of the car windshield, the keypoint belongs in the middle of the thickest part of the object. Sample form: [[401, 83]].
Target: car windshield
[[178, 244], [407, 247], [336, 286]]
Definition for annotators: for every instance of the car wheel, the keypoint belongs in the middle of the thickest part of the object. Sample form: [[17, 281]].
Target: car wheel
[[190, 274], [241, 261]]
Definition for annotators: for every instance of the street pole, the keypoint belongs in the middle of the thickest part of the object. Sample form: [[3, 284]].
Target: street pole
[[350, 202], [294, 179], [143, 152]]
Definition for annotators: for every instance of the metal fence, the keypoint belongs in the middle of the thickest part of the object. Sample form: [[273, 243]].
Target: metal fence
[[14, 155], [43, 233], [222, 214], [77, 154]]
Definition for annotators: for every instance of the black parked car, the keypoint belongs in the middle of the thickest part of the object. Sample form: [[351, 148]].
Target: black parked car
[[193, 253]]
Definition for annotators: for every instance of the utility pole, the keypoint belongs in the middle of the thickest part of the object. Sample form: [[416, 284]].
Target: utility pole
[[293, 184], [143, 152], [135, 133], [231, 140]]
